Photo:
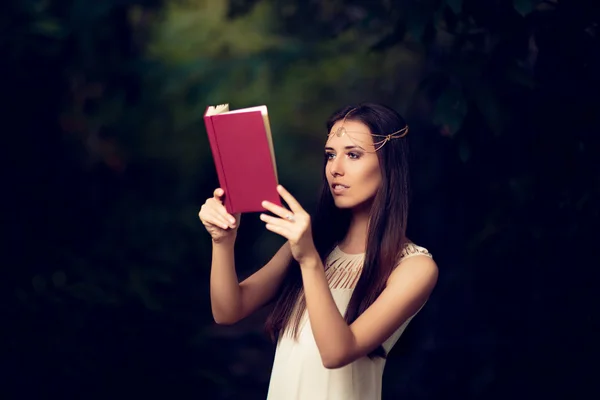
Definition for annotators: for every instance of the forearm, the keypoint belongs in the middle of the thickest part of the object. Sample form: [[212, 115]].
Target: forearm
[[331, 332], [225, 295]]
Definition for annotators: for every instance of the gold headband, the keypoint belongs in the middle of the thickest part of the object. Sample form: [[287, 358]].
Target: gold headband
[[341, 131]]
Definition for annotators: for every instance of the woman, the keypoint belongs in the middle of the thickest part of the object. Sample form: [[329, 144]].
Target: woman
[[346, 284]]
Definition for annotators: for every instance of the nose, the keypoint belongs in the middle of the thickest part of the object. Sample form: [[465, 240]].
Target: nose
[[336, 167]]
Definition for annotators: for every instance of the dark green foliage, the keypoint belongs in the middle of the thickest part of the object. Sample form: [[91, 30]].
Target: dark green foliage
[[106, 164]]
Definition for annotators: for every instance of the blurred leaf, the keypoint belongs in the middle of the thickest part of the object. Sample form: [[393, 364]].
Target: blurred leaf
[[90, 293], [59, 279], [455, 5], [522, 189], [417, 21], [39, 283], [520, 75], [485, 100], [21, 295], [48, 27], [140, 287], [37, 6], [464, 152], [524, 7], [208, 31], [451, 109]]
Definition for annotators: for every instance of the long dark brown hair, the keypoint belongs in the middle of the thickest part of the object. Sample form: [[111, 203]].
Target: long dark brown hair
[[387, 227]]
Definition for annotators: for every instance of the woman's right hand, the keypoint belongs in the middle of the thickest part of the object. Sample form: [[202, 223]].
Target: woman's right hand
[[221, 225]]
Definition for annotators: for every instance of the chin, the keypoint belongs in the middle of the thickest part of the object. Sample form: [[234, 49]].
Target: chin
[[344, 203]]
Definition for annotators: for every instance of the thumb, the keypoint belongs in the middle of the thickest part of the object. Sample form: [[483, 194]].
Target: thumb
[[218, 194]]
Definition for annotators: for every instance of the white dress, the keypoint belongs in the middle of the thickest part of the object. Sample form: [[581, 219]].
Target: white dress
[[298, 372]]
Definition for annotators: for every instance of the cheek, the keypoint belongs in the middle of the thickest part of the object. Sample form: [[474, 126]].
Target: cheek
[[373, 174], [374, 181], [370, 178]]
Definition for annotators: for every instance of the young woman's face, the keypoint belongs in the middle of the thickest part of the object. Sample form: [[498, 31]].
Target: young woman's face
[[352, 167]]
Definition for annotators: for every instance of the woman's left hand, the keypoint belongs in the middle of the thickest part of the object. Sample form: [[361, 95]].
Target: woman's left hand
[[293, 225]]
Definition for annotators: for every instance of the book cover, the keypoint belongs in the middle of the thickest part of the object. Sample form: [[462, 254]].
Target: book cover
[[242, 149]]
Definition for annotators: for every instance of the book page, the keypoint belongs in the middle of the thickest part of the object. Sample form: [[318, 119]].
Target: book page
[[262, 109], [220, 109], [265, 115]]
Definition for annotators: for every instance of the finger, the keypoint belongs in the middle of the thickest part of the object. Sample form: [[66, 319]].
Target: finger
[[224, 218], [278, 229], [218, 193], [274, 221], [231, 220], [213, 224], [289, 199], [216, 224], [216, 219], [219, 208], [275, 209]]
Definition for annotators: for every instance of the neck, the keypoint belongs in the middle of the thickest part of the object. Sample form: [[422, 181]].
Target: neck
[[356, 238]]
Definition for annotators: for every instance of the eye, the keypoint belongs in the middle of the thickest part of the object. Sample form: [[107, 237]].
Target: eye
[[329, 156], [354, 156]]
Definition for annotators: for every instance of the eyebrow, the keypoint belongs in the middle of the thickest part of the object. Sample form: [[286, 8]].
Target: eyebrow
[[346, 148]]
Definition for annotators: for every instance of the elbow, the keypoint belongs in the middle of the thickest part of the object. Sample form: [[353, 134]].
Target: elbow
[[338, 355], [334, 361], [224, 319], [332, 364]]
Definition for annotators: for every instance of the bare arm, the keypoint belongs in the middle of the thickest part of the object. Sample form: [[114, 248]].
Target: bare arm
[[339, 344], [407, 289], [232, 301]]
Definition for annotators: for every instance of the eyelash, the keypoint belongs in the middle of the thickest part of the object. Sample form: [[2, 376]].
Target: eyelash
[[352, 155]]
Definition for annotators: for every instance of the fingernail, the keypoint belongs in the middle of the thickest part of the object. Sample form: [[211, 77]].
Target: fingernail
[[232, 220]]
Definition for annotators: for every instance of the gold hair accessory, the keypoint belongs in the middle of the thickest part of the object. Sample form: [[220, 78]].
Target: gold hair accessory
[[341, 131]]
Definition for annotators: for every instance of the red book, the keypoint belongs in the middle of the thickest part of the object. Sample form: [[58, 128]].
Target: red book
[[242, 149]]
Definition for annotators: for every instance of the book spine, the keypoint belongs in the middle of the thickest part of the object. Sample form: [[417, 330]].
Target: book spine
[[214, 147]]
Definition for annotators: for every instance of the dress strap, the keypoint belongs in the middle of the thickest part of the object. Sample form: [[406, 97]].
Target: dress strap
[[411, 250]]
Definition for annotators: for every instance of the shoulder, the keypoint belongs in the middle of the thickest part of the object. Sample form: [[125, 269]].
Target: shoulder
[[415, 263]]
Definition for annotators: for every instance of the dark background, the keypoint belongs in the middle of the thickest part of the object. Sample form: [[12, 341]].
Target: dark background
[[106, 164]]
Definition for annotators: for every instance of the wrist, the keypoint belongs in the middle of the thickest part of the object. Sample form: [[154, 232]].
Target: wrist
[[224, 242], [310, 261]]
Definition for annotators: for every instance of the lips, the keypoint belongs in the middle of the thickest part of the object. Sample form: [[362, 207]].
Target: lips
[[338, 188]]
